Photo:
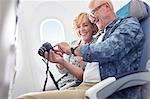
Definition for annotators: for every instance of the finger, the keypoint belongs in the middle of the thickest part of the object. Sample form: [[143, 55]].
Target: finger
[[59, 53], [55, 47], [46, 54], [59, 50], [62, 51], [51, 56]]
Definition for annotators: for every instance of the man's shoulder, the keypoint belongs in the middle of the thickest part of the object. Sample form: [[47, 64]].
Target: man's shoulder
[[130, 19]]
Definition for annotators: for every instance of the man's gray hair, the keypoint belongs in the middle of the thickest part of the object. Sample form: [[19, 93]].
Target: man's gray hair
[[100, 2]]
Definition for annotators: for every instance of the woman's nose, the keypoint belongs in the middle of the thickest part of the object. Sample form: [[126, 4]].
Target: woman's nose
[[82, 28]]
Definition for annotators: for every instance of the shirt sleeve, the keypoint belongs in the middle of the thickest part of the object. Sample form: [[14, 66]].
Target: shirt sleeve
[[123, 39]]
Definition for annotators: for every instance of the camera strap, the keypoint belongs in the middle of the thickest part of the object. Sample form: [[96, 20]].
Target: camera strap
[[51, 75]]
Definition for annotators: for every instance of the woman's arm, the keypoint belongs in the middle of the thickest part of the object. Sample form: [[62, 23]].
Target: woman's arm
[[74, 70]]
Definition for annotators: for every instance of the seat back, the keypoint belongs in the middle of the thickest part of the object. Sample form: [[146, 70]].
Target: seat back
[[145, 23], [141, 11]]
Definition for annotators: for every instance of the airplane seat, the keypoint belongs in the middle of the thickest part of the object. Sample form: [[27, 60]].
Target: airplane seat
[[145, 23], [111, 85], [145, 60]]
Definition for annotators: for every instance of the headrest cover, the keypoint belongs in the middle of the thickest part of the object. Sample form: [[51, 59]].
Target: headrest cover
[[134, 8], [138, 9]]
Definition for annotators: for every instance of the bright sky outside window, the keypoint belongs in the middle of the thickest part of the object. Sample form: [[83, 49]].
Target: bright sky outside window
[[51, 30]]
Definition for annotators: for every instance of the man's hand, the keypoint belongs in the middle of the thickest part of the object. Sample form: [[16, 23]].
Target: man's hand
[[63, 47]]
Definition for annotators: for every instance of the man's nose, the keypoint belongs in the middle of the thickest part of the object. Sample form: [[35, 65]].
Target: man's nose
[[92, 18]]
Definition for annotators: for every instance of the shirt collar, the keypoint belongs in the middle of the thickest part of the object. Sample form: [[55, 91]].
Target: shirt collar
[[111, 24]]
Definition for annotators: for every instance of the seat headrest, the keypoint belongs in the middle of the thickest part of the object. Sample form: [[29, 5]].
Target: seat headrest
[[134, 8]]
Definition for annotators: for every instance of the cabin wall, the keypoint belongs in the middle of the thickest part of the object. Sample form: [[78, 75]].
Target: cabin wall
[[7, 29]]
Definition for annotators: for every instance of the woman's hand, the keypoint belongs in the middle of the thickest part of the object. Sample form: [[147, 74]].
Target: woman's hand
[[53, 57]]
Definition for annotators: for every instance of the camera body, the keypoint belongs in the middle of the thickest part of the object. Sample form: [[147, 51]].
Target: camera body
[[45, 47]]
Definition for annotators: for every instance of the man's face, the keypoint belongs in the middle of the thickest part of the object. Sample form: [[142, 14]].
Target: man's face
[[97, 15]]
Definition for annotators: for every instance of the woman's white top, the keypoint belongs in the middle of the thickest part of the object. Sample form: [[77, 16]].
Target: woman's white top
[[91, 72]]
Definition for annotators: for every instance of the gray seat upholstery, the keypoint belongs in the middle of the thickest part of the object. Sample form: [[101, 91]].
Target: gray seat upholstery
[[145, 23], [145, 60]]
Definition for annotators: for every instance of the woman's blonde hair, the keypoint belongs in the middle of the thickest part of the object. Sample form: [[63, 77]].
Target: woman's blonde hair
[[78, 19]]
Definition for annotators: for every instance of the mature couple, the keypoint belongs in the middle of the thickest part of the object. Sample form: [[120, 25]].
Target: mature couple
[[116, 50]]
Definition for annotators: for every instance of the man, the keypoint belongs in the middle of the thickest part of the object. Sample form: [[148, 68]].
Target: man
[[121, 47], [117, 51]]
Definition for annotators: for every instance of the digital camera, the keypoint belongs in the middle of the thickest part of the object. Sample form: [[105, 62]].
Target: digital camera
[[45, 47]]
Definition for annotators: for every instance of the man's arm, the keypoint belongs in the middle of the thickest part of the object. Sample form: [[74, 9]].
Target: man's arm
[[117, 45]]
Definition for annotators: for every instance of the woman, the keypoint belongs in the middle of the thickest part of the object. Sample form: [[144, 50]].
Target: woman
[[85, 31], [73, 64]]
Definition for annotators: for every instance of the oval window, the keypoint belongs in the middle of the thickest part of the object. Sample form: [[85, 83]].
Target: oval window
[[51, 30]]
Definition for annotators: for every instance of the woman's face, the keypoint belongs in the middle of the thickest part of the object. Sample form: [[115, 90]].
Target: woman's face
[[84, 30]]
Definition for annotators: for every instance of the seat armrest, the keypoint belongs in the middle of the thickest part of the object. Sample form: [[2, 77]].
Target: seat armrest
[[91, 93], [99, 91]]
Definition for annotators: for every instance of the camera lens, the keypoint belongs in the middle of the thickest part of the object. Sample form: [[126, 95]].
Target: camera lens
[[41, 51], [45, 47]]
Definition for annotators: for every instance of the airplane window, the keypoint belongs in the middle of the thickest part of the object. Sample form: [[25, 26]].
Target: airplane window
[[51, 30]]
